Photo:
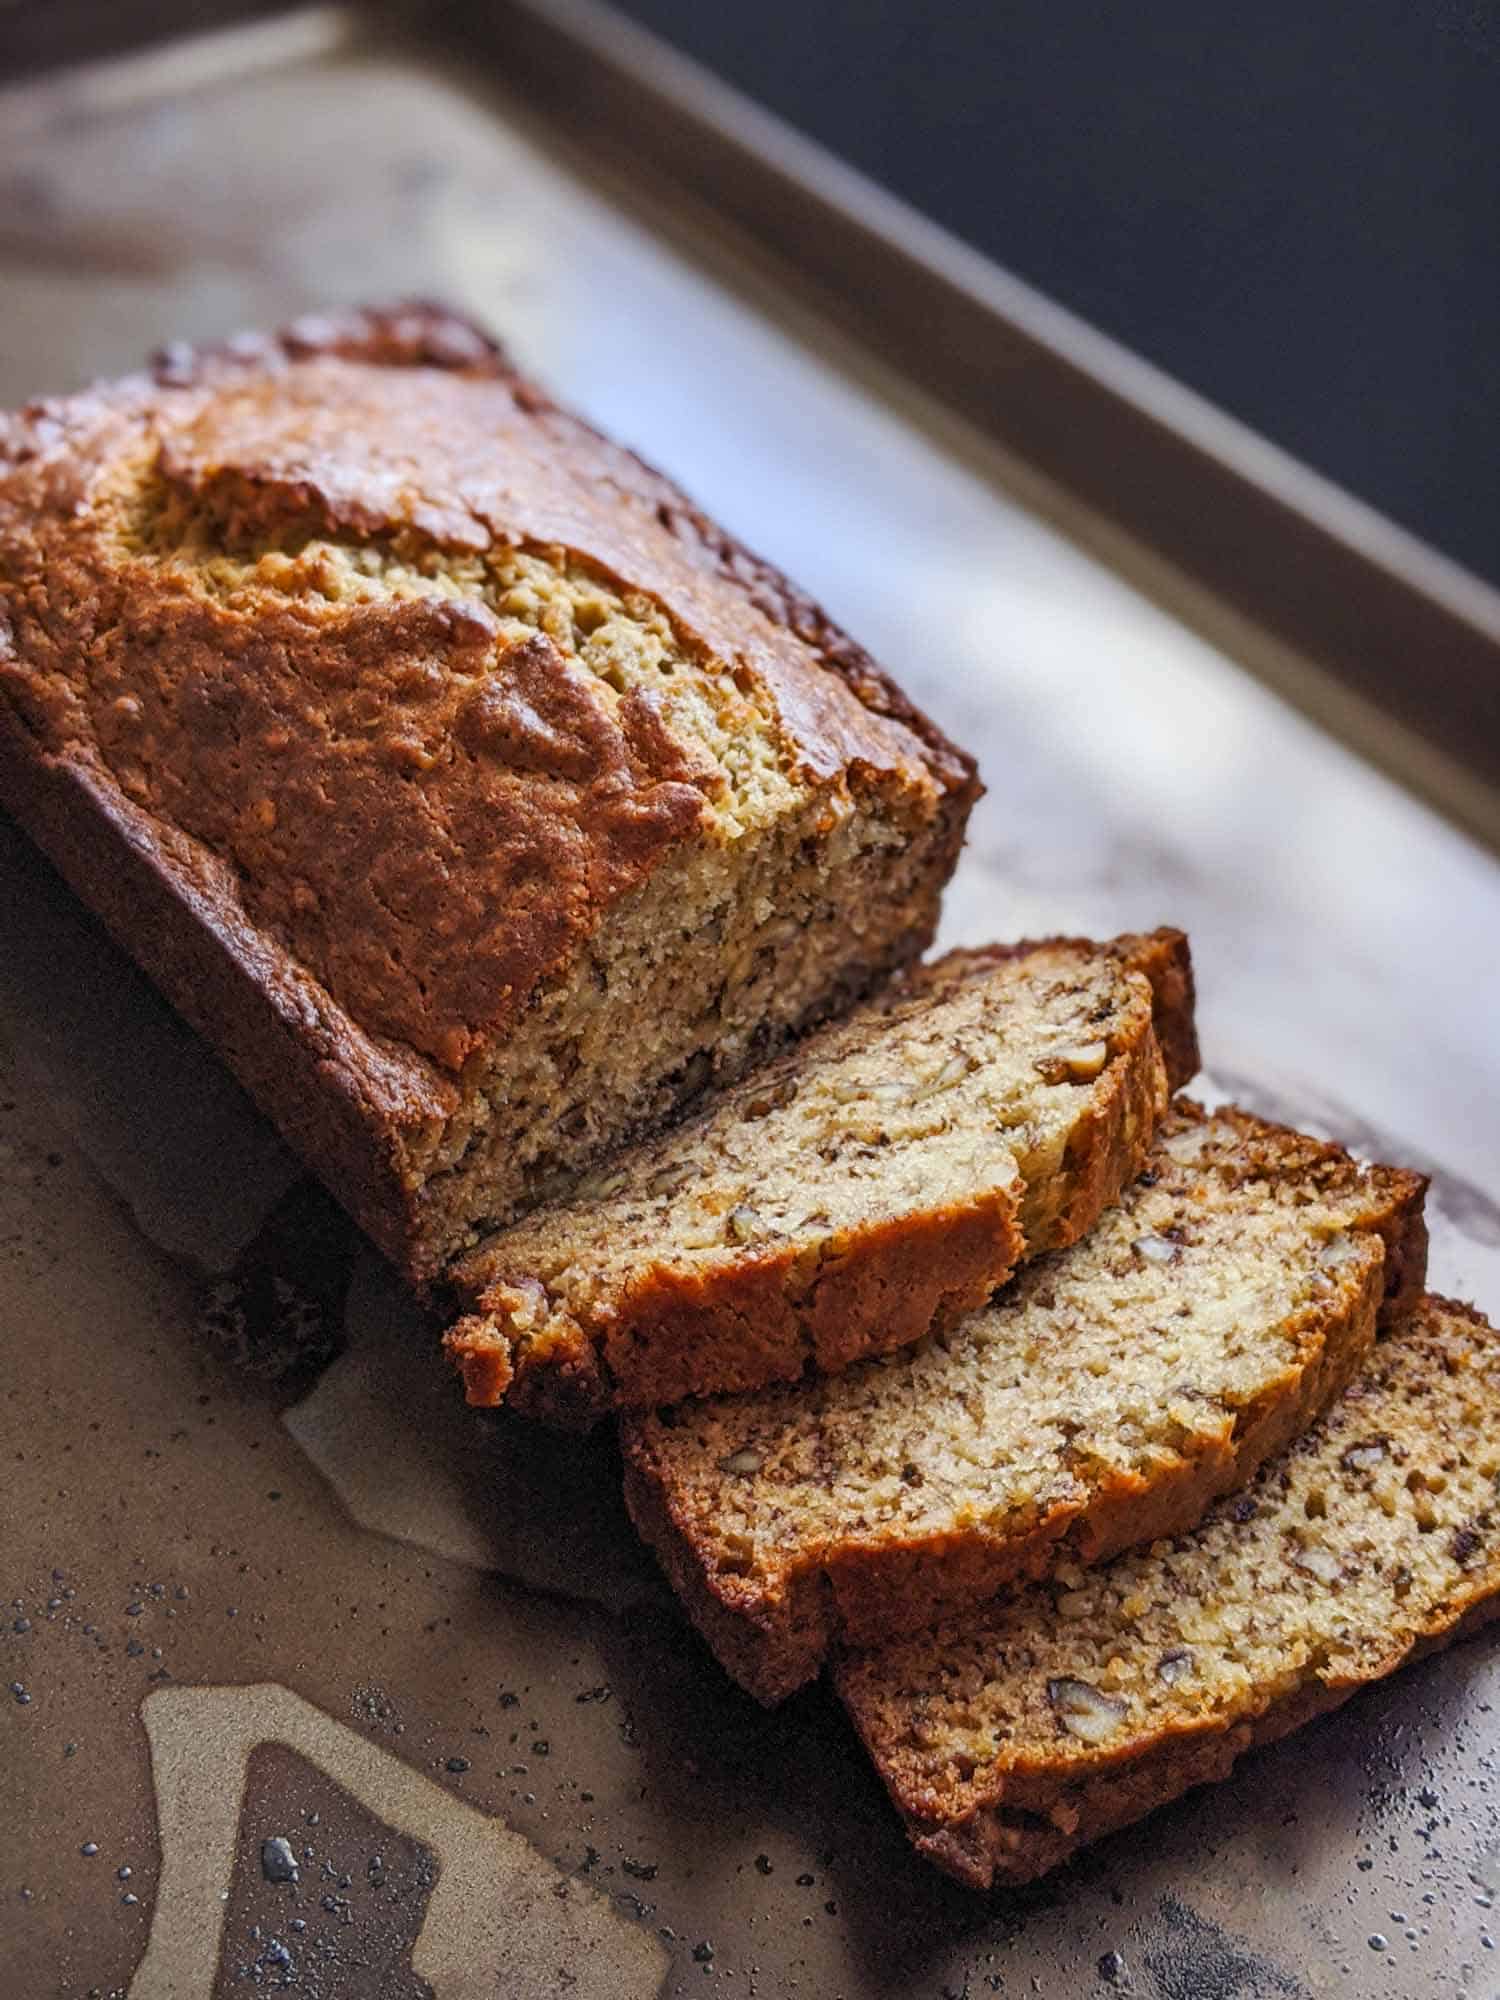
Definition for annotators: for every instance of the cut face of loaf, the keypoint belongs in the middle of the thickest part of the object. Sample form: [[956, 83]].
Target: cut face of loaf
[[1010, 1738], [1105, 1397], [469, 789], [882, 1178]]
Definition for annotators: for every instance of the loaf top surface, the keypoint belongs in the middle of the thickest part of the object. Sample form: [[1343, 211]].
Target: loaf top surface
[[425, 673]]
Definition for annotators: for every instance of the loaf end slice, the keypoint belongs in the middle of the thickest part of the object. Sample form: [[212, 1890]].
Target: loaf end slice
[[1010, 1738], [474, 795], [1104, 1398], [881, 1179]]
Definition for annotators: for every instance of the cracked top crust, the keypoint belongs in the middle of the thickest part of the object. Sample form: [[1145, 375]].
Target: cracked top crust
[[428, 673]]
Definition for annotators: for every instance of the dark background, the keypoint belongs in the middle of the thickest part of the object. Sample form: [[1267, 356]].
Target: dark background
[[1293, 206]]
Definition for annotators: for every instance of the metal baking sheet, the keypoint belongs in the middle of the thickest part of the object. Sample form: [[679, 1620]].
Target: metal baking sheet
[[273, 1599]]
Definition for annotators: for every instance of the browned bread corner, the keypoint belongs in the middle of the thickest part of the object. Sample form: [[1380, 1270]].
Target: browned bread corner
[[1011, 1737], [1106, 1397], [475, 795], [879, 1180]]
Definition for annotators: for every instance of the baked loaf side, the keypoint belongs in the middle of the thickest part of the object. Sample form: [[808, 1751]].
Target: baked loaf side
[[1105, 1397], [1010, 1738], [883, 1177], [443, 764]]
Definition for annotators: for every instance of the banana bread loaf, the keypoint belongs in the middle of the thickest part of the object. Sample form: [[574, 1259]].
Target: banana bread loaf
[[1010, 1738], [883, 1177], [470, 790], [1105, 1397]]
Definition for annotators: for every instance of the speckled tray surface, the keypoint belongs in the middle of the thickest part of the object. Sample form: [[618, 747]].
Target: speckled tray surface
[[320, 1682]]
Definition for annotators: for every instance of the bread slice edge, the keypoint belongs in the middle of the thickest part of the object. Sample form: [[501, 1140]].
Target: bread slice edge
[[744, 1326], [774, 1640]]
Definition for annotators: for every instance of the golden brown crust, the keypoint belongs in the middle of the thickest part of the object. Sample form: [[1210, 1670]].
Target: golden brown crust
[[773, 1633], [1167, 963], [1107, 1148], [688, 1334], [267, 771], [330, 1090], [419, 333]]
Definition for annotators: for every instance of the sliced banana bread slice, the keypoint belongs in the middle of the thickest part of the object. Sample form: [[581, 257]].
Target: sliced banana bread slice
[[1106, 1397], [881, 1179], [1010, 1738]]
